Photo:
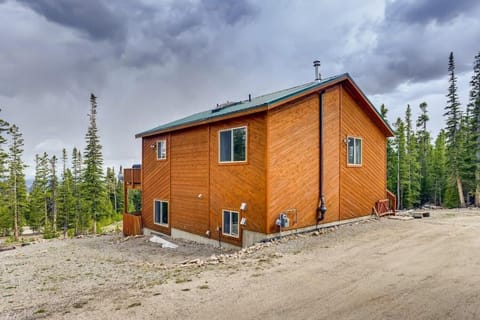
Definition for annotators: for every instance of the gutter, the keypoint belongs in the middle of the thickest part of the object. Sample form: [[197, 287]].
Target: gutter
[[322, 208]]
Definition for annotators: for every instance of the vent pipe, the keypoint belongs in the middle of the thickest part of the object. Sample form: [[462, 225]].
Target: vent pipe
[[318, 76]]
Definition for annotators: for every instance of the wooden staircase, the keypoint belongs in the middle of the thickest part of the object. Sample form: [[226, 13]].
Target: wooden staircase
[[387, 206]]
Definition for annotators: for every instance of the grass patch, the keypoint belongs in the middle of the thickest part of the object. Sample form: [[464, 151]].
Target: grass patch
[[79, 305], [203, 287], [39, 311]]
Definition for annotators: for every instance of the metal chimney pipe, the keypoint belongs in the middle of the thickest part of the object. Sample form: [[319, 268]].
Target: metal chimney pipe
[[316, 64]]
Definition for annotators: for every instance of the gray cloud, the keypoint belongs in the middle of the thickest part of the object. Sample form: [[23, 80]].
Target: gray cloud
[[92, 17], [425, 11]]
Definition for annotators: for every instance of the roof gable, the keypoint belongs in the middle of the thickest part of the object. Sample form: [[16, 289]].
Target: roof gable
[[264, 102]]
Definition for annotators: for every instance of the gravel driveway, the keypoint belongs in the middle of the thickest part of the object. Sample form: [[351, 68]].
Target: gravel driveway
[[377, 269]]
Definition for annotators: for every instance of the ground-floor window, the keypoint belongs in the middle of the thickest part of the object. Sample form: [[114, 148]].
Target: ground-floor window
[[230, 223], [160, 213]]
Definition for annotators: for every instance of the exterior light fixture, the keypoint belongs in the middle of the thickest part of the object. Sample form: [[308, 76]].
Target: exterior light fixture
[[153, 146]]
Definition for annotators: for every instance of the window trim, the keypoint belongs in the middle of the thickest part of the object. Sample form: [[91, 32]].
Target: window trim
[[361, 152], [223, 223], [158, 142], [232, 146], [168, 212]]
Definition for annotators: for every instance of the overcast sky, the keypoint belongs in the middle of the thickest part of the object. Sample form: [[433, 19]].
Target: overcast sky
[[151, 61]]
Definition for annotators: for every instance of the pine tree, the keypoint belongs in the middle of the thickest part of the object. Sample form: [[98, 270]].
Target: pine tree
[[119, 191], [76, 189], [391, 156], [16, 181], [439, 168], [412, 190], [402, 166], [52, 191], [37, 196], [474, 126], [66, 201], [94, 190], [424, 153], [453, 116], [5, 222]]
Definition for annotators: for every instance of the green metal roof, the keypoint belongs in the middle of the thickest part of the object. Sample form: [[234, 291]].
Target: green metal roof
[[256, 102]]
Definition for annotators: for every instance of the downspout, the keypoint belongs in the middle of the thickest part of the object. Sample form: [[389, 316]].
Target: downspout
[[322, 208]]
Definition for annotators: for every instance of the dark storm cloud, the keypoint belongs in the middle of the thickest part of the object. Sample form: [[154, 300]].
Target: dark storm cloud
[[92, 17], [182, 32], [414, 40], [426, 11]]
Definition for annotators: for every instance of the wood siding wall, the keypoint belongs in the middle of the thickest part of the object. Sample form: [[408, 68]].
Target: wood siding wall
[[192, 169], [281, 172], [155, 180], [293, 167], [361, 186], [331, 149]]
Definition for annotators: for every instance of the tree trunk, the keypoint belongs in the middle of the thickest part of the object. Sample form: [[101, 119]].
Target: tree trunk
[[460, 192]]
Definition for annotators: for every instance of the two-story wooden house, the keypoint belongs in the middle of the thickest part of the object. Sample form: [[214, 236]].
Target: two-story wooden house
[[246, 171]]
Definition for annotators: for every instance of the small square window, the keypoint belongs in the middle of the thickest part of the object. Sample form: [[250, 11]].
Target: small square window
[[233, 145], [161, 212], [161, 149], [230, 223], [354, 151]]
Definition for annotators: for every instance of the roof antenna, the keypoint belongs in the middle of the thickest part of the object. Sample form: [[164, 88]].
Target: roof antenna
[[318, 76]]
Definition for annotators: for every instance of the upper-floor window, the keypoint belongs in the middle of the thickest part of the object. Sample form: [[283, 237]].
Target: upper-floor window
[[354, 151], [233, 145], [161, 149]]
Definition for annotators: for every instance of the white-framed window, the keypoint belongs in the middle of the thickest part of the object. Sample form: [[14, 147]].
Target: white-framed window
[[354, 151], [232, 145], [160, 212], [230, 223], [161, 149]]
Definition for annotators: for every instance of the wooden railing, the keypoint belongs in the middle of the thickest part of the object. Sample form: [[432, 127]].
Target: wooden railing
[[386, 206], [132, 224], [393, 201], [132, 176]]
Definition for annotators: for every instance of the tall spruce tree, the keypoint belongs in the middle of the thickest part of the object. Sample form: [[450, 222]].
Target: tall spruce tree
[[94, 190], [402, 165], [76, 189], [5, 222], [53, 192], [391, 156], [16, 181], [439, 168], [412, 190], [66, 201], [37, 196], [424, 154], [453, 114], [474, 126]]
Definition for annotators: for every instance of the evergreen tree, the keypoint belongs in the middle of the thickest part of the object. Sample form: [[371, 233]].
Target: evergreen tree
[[439, 168], [52, 191], [94, 190], [76, 189], [391, 156], [66, 201], [412, 188], [16, 181], [474, 126], [424, 153], [119, 191], [5, 221], [453, 116], [402, 165], [37, 196]]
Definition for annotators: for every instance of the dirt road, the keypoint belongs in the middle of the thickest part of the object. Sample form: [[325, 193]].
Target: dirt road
[[380, 269]]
